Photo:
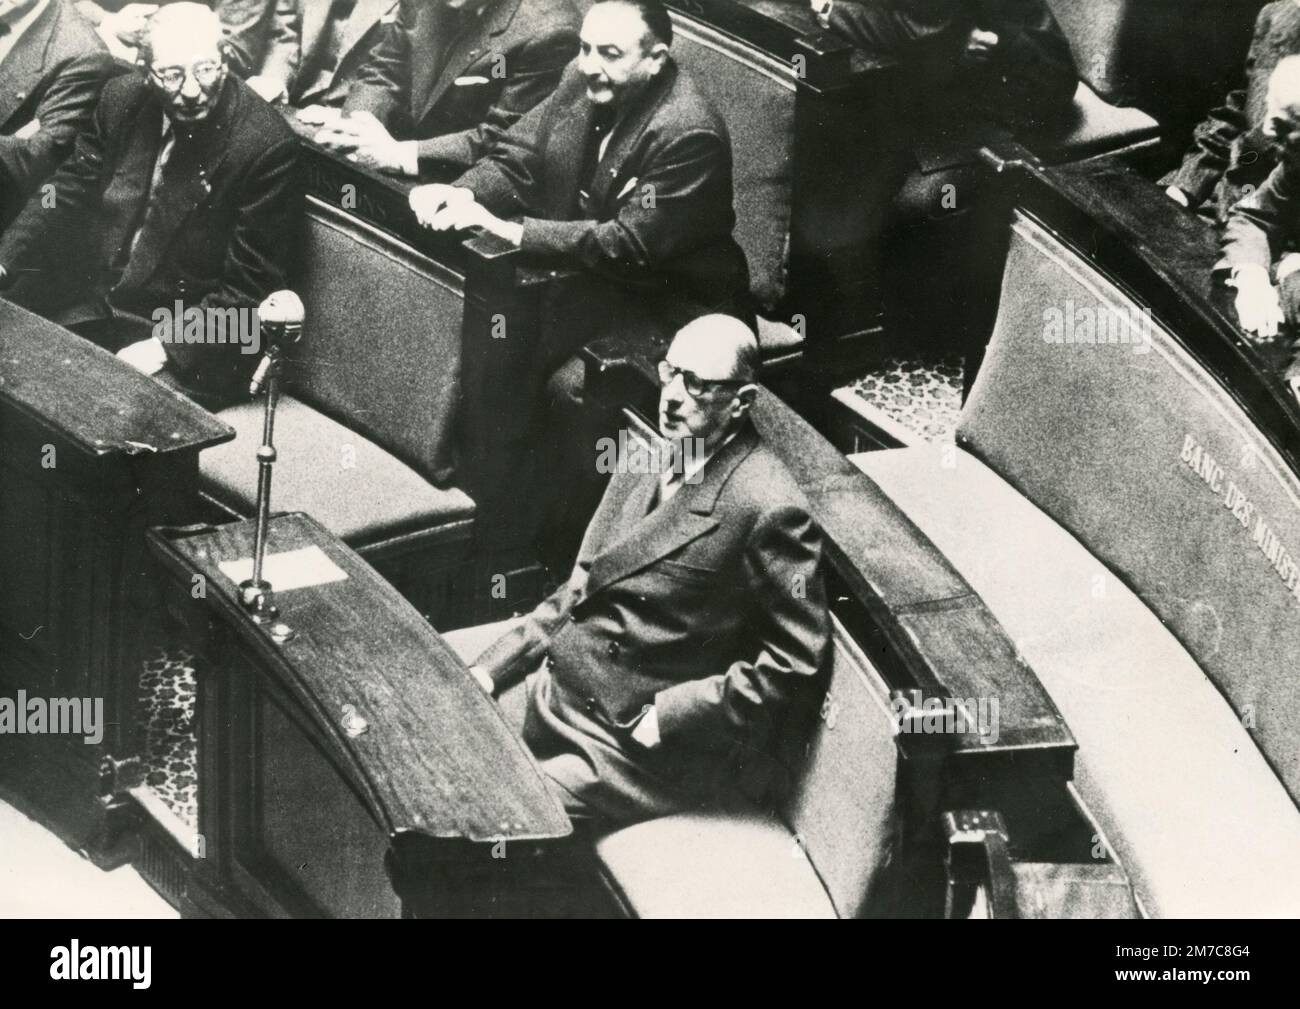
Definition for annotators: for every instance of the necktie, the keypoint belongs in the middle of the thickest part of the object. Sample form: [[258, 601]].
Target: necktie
[[160, 163], [602, 121]]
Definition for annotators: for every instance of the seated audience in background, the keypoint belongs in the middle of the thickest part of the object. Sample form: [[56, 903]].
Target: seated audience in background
[[1231, 150], [179, 194], [52, 66], [625, 174], [1262, 231], [979, 65], [307, 52], [447, 78], [121, 25], [680, 661]]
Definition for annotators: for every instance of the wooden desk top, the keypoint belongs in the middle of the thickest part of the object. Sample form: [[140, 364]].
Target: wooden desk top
[[437, 757], [100, 404]]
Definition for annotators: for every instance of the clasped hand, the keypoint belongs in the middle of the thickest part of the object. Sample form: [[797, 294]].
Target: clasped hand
[[1259, 307], [441, 207], [359, 135]]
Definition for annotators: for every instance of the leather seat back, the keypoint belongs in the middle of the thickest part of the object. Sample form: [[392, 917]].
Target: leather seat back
[[755, 93], [381, 343], [842, 807]]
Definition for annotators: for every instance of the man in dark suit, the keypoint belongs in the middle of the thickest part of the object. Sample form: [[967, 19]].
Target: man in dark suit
[[448, 78], [624, 172], [172, 219], [52, 65], [308, 52], [1232, 154], [683, 653]]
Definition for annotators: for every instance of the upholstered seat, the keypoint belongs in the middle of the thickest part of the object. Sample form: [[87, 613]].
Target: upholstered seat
[[819, 856], [1198, 819], [702, 865], [356, 489]]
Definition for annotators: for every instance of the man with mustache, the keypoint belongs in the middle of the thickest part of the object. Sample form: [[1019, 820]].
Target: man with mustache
[[623, 173], [182, 190]]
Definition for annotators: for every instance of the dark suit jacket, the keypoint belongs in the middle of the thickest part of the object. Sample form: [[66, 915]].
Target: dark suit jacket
[[52, 74], [456, 82], [1229, 151], [289, 34], [1264, 224], [659, 217], [219, 233], [1027, 85], [711, 608]]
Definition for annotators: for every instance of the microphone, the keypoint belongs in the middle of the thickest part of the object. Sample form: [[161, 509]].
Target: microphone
[[280, 315]]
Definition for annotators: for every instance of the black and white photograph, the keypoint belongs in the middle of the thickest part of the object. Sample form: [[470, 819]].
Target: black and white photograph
[[674, 459]]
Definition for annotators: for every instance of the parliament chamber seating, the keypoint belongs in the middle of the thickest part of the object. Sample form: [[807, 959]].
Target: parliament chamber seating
[[1077, 504], [820, 855], [860, 831], [365, 431]]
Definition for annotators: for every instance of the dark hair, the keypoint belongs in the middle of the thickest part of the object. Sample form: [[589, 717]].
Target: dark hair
[[655, 16]]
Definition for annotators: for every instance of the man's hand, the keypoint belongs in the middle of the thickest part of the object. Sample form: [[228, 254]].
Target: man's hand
[[646, 730], [1178, 196], [320, 115], [980, 45], [348, 132], [269, 89], [28, 130], [1258, 309], [147, 356], [428, 201]]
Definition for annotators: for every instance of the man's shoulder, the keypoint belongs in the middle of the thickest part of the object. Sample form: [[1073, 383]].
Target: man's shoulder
[[73, 37], [537, 19], [256, 122], [762, 483], [685, 108]]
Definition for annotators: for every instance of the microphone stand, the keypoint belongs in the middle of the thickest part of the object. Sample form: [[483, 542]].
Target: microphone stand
[[255, 593]]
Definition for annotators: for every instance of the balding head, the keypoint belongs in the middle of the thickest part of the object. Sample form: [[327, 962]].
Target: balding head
[[181, 50], [727, 340], [709, 368]]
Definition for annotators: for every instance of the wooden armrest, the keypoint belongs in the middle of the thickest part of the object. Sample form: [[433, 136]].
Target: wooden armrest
[[979, 856]]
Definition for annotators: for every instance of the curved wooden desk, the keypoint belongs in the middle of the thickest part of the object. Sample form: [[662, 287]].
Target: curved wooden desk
[[316, 754]]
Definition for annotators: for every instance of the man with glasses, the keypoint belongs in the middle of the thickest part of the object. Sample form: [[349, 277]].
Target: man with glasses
[[680, 657], [171, 220]]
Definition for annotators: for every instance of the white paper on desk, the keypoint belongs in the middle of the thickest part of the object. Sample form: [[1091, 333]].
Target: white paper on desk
[[292, 569]]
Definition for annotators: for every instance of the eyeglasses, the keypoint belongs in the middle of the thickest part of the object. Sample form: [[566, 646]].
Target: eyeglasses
[[694, 385], [173, 78]]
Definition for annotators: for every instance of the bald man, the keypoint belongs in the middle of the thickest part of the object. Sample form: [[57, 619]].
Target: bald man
[[171, 220], [687, 643]]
